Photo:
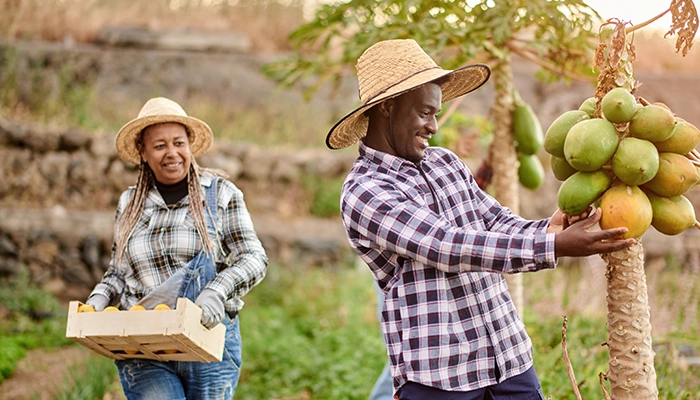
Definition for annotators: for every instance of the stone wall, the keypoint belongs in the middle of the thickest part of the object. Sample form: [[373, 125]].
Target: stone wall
[[60, 188]]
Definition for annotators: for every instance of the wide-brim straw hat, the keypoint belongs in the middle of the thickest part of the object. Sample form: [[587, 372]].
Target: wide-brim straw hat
[[393, 67], [160, 110]]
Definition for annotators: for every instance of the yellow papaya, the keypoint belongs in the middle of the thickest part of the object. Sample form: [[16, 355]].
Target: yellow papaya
[[626, 206]]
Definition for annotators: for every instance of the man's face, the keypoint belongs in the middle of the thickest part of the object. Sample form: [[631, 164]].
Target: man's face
[[166, 149], [413, 121]]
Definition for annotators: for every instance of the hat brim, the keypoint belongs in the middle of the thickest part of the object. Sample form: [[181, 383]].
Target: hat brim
[[353, 126], [201, 136]]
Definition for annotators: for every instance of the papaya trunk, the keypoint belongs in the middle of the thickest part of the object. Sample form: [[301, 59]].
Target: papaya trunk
[[631, 366], [503, 158]]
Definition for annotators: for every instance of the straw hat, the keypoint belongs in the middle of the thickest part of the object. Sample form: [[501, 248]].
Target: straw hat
[[159, 110], [393, 67]]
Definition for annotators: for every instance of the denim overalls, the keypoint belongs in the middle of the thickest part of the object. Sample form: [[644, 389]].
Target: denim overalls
[[174, 380]]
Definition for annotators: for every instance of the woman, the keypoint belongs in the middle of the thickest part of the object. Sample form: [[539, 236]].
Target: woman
[[182, 231]]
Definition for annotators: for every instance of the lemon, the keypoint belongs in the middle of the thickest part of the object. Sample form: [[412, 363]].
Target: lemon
[[110, 309], [137, 307], [162, 307], [86, 308]]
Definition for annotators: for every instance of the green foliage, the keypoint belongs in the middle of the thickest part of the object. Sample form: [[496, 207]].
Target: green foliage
[[311, 333], [459, 124], [90, 379], [32, 318], [325, 195], [453, 32], [68, 99]]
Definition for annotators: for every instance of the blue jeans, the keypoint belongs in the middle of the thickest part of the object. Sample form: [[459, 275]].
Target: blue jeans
[[175, 380], [384, 386]]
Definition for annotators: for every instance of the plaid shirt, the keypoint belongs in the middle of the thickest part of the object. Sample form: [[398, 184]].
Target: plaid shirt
[[165, 240], [448, 319]]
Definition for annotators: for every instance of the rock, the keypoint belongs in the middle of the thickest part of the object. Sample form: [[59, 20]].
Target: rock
[[54, 168], [7, 246], [74, 139]]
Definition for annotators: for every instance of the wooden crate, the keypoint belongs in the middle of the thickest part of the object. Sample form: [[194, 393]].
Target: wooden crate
[[164, 335]]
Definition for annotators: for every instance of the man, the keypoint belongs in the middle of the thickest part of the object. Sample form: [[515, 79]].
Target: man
[[438, 246]]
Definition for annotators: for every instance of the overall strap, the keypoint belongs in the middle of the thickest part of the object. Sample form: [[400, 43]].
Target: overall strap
[[211, 195]]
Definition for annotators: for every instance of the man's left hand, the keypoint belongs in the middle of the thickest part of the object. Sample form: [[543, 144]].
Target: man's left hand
[[560, 221]]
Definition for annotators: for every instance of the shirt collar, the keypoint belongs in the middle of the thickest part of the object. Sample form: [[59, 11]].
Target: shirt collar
[[385, 159]]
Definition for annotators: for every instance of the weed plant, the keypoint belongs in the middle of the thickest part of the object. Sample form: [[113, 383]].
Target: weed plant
[[93, 378], [31, 318]]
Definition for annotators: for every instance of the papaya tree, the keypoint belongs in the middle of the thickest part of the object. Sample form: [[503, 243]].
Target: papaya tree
[[555, 35], [631, 370]]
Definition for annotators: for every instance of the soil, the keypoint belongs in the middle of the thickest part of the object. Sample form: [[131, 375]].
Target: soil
[[40, 375]]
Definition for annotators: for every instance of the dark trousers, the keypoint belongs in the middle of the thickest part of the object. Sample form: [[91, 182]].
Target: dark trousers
[[525, 386]]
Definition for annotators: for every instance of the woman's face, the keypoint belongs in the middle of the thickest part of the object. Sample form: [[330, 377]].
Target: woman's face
[[166, 149]]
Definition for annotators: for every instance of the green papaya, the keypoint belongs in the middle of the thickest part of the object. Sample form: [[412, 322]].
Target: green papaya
[[684, 138], [530, 171], [581, 190], [588, 106], [590, 144], [618, 105], [561, 168], [556, 133], [636, 161], [527, 130], [653, 123]]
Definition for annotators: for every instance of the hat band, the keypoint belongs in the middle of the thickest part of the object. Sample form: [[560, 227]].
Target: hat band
[[369, 99]]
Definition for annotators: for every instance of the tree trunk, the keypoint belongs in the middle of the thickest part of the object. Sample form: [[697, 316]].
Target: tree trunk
[[631, 367], [503, 158]]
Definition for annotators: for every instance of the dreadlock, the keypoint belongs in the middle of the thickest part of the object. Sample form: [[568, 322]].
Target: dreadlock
[[132, 213]]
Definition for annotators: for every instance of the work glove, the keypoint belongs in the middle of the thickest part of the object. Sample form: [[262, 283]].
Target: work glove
[[212, 304], [98, 301]]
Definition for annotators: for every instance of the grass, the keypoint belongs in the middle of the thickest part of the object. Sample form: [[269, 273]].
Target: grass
[[312, 333], [30, 318]]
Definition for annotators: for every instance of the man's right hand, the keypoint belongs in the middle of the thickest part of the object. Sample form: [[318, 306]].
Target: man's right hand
[[578, 241]]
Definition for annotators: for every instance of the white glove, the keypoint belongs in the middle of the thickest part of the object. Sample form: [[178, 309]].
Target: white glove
[[98, 301], [212, 304]]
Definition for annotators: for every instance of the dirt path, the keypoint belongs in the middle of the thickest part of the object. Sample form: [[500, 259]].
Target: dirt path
[[41, 373]]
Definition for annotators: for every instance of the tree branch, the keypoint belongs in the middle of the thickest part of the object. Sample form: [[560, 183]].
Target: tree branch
[[602, 376], [544, 64], [567, 362], [645, 23]]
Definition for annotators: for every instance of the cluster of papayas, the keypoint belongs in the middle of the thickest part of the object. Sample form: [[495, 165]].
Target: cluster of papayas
[[631, 161], [528, 136]]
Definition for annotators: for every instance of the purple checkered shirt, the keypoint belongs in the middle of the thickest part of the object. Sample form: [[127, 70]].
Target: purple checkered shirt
[[448, 319]]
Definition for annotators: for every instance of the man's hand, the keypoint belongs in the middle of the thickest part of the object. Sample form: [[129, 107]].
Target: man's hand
[[212, 305], [577, 241], [560, 221]]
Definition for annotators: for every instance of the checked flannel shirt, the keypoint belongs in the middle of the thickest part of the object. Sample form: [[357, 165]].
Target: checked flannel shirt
[[165, 240], [448, 319]]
